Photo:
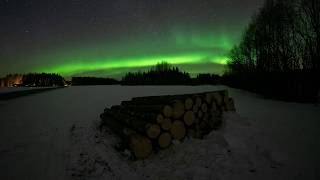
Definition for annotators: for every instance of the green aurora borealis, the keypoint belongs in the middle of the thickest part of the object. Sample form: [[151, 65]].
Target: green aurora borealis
[[183, 50], [110, 38]]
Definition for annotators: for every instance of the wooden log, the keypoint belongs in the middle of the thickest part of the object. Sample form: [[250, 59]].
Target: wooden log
[[139, 125], [166, 124], [152, 100], [167, 111], [160, 118], [178, 109], [200, 114], [188, 118], [164, 140], [147, 112], [188, 103], [153, 130], [178, 130], [198, 100], [208, 98], [140, 146], [145, 109], [195, 109], [204, 107]]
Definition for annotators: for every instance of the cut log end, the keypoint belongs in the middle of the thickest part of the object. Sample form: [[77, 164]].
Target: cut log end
[[153, 131], [188, 103], [200, 114], [160, 118], [178, 109], [189, 118], [166, 124], [204, 107], [164, 140], [141, 146], [178, 130], [198, 101], [208, 98], [167, 111]]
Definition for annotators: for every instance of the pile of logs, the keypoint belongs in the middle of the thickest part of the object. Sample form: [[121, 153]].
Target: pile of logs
[[148, 124]]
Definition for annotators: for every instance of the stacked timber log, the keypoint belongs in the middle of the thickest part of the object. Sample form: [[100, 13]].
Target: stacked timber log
[[148, 124]]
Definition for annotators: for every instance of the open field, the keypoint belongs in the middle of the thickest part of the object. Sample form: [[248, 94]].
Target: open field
[[53, 135]]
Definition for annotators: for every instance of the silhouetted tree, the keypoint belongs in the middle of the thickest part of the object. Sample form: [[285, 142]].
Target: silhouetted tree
[[279, 51]]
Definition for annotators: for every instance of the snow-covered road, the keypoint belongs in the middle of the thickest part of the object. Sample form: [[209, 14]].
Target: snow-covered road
[[37, 140]]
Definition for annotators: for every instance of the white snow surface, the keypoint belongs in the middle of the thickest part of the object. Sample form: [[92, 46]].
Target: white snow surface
[[55, 135], [15, 89]]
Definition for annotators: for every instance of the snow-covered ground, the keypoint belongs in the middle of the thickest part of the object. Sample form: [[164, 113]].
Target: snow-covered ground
[[54, 135], [15, 89]]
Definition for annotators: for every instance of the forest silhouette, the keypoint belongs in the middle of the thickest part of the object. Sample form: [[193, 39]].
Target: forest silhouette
[[279, 53]]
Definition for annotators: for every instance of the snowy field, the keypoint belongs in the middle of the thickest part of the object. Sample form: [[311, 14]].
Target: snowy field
[[53, 135], [15, 89]]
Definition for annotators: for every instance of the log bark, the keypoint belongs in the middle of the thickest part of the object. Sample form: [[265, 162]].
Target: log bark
[[141, 126], [148, 113], [178, 130], [155, 109], [139, 145], [152, 100]]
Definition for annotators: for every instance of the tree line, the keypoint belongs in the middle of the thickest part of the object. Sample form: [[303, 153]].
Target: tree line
[[161, 74], [164, 73], [279, 53], [33, 80]]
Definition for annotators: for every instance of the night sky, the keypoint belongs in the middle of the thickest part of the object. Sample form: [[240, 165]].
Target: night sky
[[110, 37]]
